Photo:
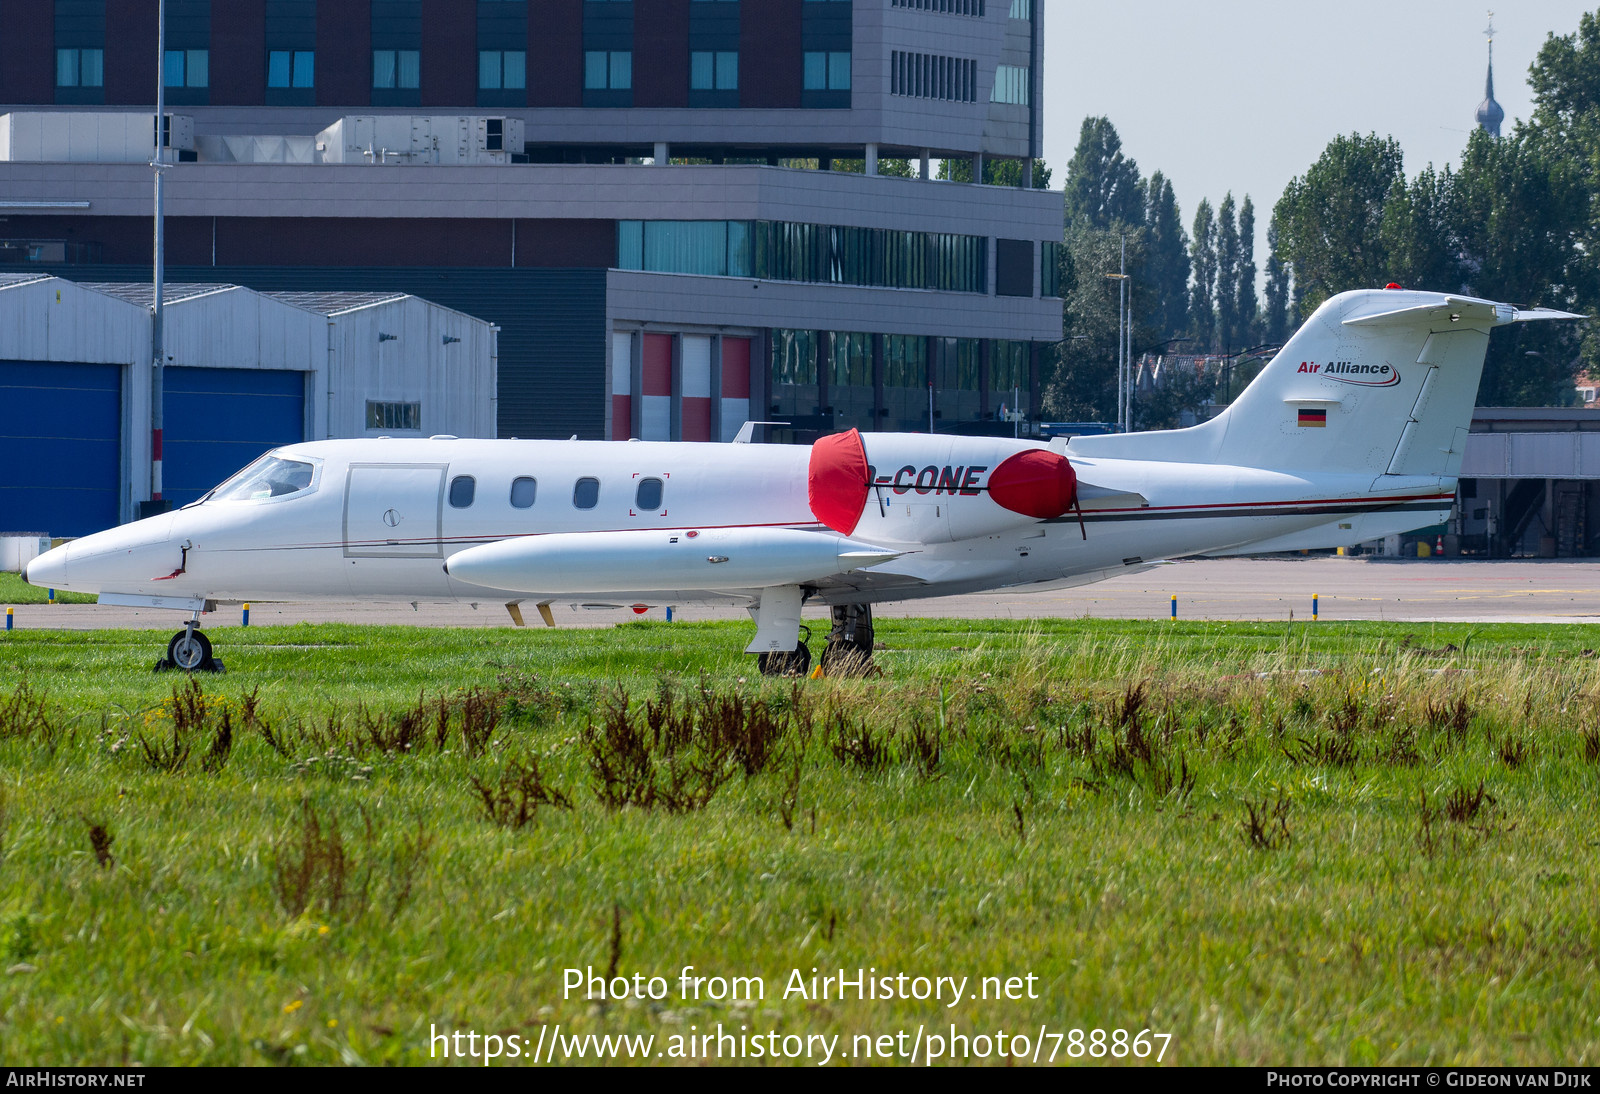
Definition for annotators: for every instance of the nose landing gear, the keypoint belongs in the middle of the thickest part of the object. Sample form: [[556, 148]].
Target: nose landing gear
[[190, 651], [797, 662]]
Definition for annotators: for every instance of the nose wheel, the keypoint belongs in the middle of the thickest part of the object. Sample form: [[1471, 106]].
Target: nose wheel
[[796, 662], [189, 651]]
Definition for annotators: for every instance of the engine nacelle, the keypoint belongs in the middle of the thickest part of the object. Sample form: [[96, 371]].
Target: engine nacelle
[[915, 488]]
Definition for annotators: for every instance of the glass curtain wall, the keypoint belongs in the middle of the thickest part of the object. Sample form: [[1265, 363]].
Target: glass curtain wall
[[850, 387], [905, 383], [958, 380], [789, 251], [1008, 376]]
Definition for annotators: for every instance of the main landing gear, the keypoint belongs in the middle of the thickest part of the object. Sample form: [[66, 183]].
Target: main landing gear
[[848, 652], [190, 651], [850, 642]]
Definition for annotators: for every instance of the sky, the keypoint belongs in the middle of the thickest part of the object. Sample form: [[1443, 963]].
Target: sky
[[1243, 95]]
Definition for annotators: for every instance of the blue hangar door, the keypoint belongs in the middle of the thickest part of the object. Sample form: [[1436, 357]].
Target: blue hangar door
[[220, 419], [60, 447]]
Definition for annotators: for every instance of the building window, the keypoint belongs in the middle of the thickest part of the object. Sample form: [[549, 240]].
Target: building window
[[1049, 269], [794, 357], [187, 68], [396, 68], [1008, 366], [80, 68], [714, 71], [523, 491], [1022, 9], [291, 68], [930, 76], [1011, 85], [608, 71], [827, 71], [394, 415], [949, 7], [788, 251], [502, 69]]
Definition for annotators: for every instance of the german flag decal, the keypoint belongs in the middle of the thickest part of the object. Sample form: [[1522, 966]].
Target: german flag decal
[[1314, 417]]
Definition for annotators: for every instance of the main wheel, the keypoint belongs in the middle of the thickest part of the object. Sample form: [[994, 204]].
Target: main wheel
[[846, 659], [189, 650]]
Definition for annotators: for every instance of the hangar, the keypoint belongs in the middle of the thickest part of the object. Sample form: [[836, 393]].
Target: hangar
[[247, 371]]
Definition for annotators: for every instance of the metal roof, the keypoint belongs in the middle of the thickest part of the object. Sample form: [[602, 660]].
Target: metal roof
[[12, 280], [335, 303], [143, 293], [319, 303]]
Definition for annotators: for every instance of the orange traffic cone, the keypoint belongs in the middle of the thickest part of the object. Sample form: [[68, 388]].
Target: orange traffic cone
[[1438, 545]]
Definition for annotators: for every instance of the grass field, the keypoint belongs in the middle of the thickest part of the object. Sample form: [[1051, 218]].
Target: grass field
[[1330, 843]]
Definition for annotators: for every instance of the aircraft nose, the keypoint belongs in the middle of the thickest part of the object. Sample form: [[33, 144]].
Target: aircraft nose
[[49, 570]]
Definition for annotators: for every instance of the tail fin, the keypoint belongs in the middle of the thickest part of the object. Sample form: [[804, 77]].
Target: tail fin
[[1379, 381]]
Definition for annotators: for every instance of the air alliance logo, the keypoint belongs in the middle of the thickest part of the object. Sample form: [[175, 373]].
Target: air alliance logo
[[1348, 372]]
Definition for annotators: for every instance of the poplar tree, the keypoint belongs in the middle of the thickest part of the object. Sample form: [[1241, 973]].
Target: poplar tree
[[1164, 281], [1203, 255], [1275, 316], [1227, 290], [1245, 296]]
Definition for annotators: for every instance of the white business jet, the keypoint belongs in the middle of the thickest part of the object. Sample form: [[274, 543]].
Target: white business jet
[[1354, 430]]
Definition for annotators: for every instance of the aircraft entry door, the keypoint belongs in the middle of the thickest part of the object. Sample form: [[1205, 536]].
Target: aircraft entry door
[[393, 510]]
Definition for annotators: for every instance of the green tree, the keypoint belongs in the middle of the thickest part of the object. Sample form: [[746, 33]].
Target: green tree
[[1330, 219], [1565, 129], [1418, 234], [1178, 390], [1083, 383], [995, 172], [1103, 186], [1518, 211], [1164, 283], [1249, 322], [1203, 255], [1227, 286], [1275, 313]]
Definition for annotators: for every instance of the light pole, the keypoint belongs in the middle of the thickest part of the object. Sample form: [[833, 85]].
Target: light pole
[[1124, 342], [158, 345]]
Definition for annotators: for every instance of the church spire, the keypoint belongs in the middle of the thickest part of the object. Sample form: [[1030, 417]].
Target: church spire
[[1490, 114]]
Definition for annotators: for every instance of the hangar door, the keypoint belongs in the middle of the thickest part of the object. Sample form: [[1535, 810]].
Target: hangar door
[[220, 419], [60, 447]]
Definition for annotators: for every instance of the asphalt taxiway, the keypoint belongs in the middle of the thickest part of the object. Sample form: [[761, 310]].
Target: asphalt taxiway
[[1544, 591]]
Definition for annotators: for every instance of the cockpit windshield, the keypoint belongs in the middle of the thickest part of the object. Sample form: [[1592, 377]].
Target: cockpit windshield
[[269, 477]]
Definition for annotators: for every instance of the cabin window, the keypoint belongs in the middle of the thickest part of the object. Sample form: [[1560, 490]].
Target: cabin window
[[647, 499], [523, 491], [462, 490], [586, 494]]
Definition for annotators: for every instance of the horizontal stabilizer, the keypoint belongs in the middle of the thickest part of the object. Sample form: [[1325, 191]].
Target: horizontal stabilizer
[[1452, 309], [1546, 313]]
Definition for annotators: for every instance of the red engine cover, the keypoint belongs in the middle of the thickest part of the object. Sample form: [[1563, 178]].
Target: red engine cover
[[837, 485], [1034, 483]]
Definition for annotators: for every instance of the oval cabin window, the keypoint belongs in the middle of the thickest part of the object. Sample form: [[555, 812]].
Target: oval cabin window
[[462, 490], [523, 491], [648, 497], [586, 494]]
